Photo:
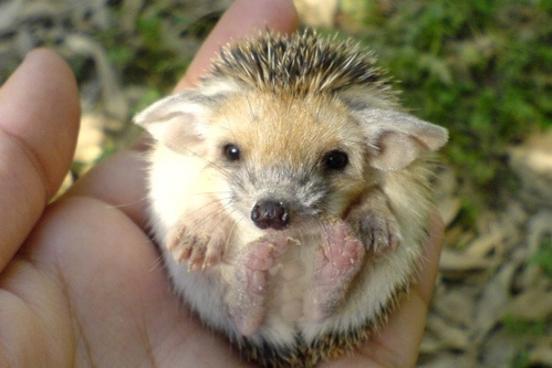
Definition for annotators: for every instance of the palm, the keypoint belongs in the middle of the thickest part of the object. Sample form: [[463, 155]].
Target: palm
[[94, 282]]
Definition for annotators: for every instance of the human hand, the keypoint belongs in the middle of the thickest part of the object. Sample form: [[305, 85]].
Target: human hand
[[80, 282]]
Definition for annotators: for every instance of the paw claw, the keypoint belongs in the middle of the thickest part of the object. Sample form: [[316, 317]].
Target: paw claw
[[199, 252], [378, 232]]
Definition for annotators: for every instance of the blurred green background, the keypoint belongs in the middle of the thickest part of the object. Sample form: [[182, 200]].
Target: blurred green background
[[481, 68]]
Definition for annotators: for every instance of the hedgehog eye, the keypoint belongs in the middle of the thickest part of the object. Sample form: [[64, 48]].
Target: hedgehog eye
[[231, 152], [336, 160]]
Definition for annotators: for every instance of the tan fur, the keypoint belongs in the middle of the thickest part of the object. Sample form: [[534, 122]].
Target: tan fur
[[293, 131], [304, 129]]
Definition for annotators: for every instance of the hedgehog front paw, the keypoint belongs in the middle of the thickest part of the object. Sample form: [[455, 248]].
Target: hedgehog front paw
[[198, 250], [377, 228], [199, 239]]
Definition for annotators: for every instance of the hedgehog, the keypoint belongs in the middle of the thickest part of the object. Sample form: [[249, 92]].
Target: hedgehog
[[289, 195]]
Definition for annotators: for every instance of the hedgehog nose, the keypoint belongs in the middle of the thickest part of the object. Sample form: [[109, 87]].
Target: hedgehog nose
[[269, 213]]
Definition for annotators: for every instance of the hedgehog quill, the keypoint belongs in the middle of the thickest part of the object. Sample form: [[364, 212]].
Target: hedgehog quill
[[289, 195]]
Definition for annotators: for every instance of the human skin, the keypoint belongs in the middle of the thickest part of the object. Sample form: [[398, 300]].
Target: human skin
[[81, 283]]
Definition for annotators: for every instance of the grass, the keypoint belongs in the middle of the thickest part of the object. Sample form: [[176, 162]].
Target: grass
[[520, 327], [543, 257], [521, 360], [523, 330]]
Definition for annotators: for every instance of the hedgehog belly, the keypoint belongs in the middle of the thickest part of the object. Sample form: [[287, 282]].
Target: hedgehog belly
[[329, 344], [292, 277], [300, 354], [290, 339], [290, 281]]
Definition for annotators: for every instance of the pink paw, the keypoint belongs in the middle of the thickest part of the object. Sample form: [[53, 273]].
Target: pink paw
[[198, 251], [246, 301], [336, 264], [199, 243]]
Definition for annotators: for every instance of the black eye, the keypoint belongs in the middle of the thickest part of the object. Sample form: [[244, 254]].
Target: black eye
[[231, 152], [336, 160]]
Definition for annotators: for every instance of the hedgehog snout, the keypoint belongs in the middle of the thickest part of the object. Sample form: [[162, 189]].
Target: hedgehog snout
[[270, 213]]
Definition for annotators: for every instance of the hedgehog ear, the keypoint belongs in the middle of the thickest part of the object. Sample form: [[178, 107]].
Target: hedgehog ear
[[395, 139], [176, 120]]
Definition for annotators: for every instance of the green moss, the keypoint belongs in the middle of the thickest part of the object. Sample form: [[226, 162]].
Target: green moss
[[543, 257], [149, 28], [521, 327], [120, 56], [521, 360]]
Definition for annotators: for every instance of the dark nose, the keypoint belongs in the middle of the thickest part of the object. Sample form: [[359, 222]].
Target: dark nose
[[268, 213]]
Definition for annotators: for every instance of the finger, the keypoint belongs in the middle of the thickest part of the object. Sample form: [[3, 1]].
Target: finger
[[243, 18], [398, 343], [39, 116], [430, 260], [120, 180]]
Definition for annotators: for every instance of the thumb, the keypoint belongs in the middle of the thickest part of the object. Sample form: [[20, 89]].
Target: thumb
[[39, 118]]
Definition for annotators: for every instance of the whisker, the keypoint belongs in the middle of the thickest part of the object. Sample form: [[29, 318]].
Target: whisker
[[156, 264], [209, 163], [129, 204]]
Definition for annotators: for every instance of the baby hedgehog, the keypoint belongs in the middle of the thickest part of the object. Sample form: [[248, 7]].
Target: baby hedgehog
[[289, 196]]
